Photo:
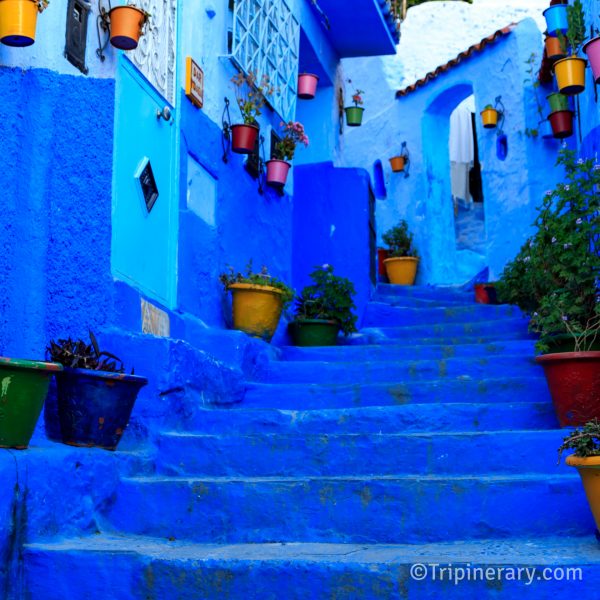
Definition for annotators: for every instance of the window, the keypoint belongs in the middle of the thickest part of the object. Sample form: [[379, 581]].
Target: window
[[265, 41]]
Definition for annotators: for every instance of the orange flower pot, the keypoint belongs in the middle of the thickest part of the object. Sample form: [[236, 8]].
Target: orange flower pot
[[398, 163], [489, 116], [401, 270], [554, 49], [18, 19], [589, 471], [126, 24], [570, 75]]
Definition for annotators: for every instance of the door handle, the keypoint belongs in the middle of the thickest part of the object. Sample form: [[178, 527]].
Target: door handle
[[165, 114]]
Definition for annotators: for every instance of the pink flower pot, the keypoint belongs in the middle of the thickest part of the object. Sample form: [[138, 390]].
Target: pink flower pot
[[277, 172], [592, 49], [307, 86]]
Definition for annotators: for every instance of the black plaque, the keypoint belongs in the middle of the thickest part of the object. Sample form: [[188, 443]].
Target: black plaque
[[149, 188], [76, 33]]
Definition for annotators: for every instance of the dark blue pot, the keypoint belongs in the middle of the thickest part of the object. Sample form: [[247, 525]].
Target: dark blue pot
[[94, 406]]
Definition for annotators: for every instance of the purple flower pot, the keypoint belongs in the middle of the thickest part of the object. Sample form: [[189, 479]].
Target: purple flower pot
[[592, 49]]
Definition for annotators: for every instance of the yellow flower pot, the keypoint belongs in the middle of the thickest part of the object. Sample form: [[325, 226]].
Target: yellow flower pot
[[589, 471], [256, 309], [489, 116], [401, 270], [18, 19], [397, 163], [570, 75]]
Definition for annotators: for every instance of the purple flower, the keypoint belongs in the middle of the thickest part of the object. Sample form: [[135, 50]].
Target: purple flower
[[567, 187], [553, 240], [326, 267], [549, 193], [579, 221], [565, 318]]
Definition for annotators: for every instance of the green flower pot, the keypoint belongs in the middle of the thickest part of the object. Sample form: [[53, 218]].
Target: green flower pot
[[23, 389], [354, 115], [558, 102], [314, 332]]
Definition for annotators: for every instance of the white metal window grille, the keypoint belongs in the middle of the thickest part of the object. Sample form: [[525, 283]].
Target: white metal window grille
[[265, 41]]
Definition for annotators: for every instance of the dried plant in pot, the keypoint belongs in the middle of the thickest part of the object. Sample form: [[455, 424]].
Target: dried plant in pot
[[95, 396]]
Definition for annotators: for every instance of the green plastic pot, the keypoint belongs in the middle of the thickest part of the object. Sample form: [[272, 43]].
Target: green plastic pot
[[354, 115], [558, 102], [23, 390], [314, 332]]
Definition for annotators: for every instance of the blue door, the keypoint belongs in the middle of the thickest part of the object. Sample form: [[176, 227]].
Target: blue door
[[144, 221]]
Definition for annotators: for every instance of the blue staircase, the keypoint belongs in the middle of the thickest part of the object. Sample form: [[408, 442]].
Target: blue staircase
[[429, 440]]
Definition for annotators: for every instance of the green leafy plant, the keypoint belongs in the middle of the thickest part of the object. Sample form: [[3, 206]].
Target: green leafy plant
[[555, 276], [330, 297], [575, 28], [42, 5], [261, 278], [77, 354], [532, 78], [400, 241], [293, 134], [488, 107], [585, 441], [251, 94]]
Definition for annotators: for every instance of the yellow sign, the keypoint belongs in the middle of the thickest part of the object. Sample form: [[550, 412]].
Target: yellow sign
[[194, 82]]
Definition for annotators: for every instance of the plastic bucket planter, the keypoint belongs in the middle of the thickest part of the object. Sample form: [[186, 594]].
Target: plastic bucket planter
[[94, 406], [243, 138], [398, 163], [554, 50], [489, 117], [307, 86], [18, 19], [570, 75], [558, 102], [556, 19], [589, 471], [277, 172], [354, 115], [23, 389], [562, 124], [256, 309], [126, 24], [314, 332], [592, 49], [401, 270]]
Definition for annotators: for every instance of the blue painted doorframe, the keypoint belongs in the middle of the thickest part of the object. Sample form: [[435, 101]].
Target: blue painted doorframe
[[144, 244]]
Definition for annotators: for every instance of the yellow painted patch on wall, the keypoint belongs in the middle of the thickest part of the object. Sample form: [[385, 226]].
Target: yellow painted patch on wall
[[154, 320]]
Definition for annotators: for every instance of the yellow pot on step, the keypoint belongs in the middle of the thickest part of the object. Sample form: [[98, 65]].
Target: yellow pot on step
[[401, 270], [589, 471], [256, 309], [18, 19]]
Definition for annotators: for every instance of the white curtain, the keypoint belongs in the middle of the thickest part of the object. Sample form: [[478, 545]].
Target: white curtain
[[462, 152]]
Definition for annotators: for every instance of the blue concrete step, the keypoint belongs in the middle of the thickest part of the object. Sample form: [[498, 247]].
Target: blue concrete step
[[133, 568], [293, 454], [398, 371], [428, 292], [409, 418], [415, 302], [461, 389], [353, 509], [399, 351]]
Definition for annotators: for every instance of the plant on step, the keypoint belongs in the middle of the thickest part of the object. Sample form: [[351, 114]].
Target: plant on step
[[399, 240], [401, 265], [584, 442], [329, 297]]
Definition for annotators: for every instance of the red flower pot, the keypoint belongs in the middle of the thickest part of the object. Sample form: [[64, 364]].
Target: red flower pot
[[307, 86], [277, 172], [574, 383], [485, 293], [382, 254], [562, 123], [243, 138]]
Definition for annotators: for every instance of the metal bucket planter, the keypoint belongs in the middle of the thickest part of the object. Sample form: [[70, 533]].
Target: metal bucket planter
[[277, 172], [256, 309], [554, 49], [126, 26], [243, 138], [315, 332], [94, 406], [558, 102], [23, 390], [562, 123], [354, 115], [307, 86], [18, 19], [592, 49], [556, 19], [398, 163], [489, 117], [570, 75]]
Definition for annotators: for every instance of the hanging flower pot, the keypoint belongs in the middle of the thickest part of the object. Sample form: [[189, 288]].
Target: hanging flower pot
[[558, 102], [556, 19], [398, 163], [24, 389], [18, 19], [562, 124], [489, 116], [126, 26], [554, 49], [307, 86], [354, 115], [570, 75], [243, 138], [277, 172], [592, 49]]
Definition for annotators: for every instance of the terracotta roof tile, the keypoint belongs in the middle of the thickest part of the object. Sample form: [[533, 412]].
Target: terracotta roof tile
[[479, 47]]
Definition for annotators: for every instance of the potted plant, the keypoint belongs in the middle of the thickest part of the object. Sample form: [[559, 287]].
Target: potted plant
[[24, 390], [560, 117], [570, 71], [18, 19], [553, 280], [250, 97], [554, 48], [278, 167], [489, 116], [94, 394], [127, 25], [398, 163], [586, 459], [354, 114], [485, 293], [307, 86], [257, 300], [556, 19], [401, 266], [323, 309]]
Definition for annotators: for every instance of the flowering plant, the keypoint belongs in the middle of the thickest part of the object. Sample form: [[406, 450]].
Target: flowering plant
[[585, 441], [357, 98], [329, 297], [250, 94], [554, 278], [293, 134]]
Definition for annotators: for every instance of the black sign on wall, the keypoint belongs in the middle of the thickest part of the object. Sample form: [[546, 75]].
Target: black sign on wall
[[76, 33], [149, 187]]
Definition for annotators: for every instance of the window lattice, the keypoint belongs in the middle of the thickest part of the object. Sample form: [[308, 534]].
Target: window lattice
[[265, 41]]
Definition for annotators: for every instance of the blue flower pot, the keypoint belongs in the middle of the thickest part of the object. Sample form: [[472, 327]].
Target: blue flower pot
[[556, 19], [94, 406]]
